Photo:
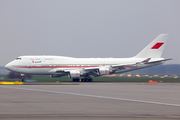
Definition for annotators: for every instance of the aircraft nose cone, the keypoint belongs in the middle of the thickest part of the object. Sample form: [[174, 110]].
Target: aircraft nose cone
[[8, 66]]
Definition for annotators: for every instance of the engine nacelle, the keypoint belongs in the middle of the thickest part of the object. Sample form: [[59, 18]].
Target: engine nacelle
[[103, 71], [74, 74]]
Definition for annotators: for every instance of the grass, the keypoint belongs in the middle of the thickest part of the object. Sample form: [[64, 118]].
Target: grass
[[40, 78]]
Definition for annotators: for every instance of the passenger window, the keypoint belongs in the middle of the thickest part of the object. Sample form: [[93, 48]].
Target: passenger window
[[48, 58]]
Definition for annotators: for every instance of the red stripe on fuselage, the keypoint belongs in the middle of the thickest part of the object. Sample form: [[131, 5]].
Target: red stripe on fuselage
[[157, 45], [53, 66], [61, 66]]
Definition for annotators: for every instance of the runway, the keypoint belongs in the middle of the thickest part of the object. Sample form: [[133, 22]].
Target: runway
[[91, 101]]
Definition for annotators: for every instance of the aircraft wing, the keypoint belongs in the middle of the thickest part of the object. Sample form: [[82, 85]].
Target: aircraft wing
[[124, 66], [111, 68]]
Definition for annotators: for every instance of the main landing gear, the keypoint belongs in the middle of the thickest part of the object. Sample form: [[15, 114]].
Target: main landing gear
[[75, 79], [86, 79]]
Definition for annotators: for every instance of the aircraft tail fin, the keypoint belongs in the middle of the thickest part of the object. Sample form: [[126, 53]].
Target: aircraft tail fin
[[155, 48]]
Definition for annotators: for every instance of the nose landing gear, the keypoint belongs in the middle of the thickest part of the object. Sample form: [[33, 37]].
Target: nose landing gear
[[23, 78]]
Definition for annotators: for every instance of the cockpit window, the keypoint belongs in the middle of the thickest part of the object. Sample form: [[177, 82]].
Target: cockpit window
[[18, 58]]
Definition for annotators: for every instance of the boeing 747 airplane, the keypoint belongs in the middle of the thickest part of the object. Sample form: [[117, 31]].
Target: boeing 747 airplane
[[57, 66]]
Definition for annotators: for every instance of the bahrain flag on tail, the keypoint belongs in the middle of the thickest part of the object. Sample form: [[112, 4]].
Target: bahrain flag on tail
[[155, 48], [157, 45]]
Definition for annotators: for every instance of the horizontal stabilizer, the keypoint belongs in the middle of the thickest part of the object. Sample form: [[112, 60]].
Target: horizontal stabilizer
[[159, 61]]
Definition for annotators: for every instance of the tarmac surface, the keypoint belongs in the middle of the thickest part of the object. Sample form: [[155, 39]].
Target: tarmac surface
[[98, 101]]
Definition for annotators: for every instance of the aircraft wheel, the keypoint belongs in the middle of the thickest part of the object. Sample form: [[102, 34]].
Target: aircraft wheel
[[90, 80], [87, 79], [82, 80], [77, 80], [23, 79]]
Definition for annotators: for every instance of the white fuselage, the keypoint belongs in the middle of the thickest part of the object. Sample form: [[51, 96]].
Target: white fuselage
[[48, 65]]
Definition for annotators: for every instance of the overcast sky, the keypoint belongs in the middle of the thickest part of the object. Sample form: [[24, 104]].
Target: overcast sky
[[87, 28]]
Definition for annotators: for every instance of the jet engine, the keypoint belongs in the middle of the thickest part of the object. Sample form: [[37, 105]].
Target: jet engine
[[74, 74], [103, 71]]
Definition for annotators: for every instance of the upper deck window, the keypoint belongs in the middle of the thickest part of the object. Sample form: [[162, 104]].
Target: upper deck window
[[18, 58]]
